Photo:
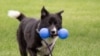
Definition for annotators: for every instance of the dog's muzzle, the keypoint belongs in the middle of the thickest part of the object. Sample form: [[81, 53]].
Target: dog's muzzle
[[53, 32]]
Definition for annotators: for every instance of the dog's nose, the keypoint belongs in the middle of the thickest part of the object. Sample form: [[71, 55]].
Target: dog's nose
[[53, 32]]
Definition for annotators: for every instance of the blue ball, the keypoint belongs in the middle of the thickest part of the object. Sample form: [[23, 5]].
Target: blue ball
[[44, 33], [63, 33]]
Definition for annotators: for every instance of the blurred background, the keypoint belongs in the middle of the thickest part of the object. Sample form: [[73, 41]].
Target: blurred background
[[80, 17]]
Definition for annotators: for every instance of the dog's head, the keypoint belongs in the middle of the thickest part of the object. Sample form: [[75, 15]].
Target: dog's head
[[52, 21]]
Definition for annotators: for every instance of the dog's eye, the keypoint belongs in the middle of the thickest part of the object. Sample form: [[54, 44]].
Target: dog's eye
[[55, 22], [50, 22]]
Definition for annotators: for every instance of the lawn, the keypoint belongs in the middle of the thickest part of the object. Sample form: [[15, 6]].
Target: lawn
[[80, 17]]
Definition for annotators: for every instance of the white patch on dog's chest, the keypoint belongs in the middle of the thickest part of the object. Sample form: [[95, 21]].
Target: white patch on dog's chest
[[43, 50]]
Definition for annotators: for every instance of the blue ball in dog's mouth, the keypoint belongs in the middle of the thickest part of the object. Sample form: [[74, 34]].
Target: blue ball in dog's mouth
[[63, 33], [44, 33]]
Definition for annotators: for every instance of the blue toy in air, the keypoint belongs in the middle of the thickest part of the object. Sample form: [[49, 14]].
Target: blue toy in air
[[62, 33]]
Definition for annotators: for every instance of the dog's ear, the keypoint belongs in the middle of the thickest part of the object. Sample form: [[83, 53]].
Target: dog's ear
[[59, 13], [44, 13]]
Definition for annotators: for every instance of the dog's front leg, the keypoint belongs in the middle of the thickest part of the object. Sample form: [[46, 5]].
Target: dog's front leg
[[32, 52]]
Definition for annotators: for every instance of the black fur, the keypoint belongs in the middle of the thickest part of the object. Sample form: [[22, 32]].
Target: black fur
[[27, 36]]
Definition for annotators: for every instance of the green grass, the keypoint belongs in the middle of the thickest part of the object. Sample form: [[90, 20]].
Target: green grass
[[80, 17]]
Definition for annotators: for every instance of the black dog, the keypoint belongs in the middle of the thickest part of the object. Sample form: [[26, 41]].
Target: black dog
[[28, 36]]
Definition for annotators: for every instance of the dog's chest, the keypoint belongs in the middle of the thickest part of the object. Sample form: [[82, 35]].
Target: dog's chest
[[47, 46]]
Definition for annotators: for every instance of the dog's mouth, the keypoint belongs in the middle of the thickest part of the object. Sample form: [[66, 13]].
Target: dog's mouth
[[53, 35]]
